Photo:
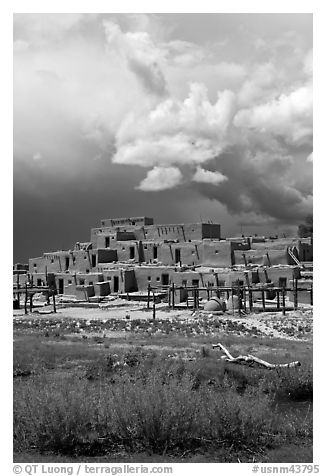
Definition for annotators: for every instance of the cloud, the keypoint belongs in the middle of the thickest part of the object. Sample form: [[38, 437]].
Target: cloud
[[176, 132], [140, 54], [206, 176], [134, 90], [289, 116], [310, 157], [37, 156], [161, 178]]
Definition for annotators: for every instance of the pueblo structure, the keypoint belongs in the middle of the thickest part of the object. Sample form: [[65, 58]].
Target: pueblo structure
[[125, 255]]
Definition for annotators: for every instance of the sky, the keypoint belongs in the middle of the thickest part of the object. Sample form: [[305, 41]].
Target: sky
[[182, 117]]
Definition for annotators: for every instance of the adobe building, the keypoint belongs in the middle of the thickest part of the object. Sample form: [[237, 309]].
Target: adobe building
[[124, 255]]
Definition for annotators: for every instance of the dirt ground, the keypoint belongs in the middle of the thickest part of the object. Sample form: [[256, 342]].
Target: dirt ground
[[295, 325]]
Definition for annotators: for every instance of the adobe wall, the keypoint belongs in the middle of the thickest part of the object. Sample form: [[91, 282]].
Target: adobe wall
[[217, 253], [259, 257], [113, 222]]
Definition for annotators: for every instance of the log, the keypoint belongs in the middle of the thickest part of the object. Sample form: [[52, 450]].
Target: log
[[251, 359]]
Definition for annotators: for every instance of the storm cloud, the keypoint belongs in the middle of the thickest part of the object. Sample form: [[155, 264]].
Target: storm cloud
[[191, 114]]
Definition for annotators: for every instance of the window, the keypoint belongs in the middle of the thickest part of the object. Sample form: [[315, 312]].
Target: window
[[85, 257], [216, 252], [282, 282], [35, 265], [158, 278], [149, 278], [81, 281], [39, 282], [90, 283], [69, 281], [87, 271], [52, 260]]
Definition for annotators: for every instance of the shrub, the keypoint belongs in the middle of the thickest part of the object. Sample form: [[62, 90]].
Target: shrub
[[162, 411]]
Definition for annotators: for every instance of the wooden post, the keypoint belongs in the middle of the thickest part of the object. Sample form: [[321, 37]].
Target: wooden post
[[154, 308], [263, 300], [173, 296], [295, 293], [54, 306], [244, 299], [278, 299], [148, 295], [283, 301], [26, 298], [311, 296], [268, 260], [18, 295], [250, 300], [239, 300], [31, 302]]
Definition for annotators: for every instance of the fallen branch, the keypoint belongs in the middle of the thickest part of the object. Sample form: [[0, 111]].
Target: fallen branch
[[251, 359]]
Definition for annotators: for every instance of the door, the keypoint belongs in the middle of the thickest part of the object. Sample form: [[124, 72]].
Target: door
[[61, 288], [183, 292], [177, 255], [154, 252], [132, 252], [115, 284], [107, 242], [93, 261], [165, 279]]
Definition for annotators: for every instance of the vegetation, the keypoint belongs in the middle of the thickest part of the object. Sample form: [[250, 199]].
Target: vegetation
[[76, 397], [306, 229]]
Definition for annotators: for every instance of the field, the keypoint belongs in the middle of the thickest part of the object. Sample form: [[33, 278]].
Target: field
[[89, 386]]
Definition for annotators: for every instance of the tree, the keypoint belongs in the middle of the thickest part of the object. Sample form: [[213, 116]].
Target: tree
[[306, 229]]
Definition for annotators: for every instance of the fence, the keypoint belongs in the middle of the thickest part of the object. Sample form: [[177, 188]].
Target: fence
[[244, 293]]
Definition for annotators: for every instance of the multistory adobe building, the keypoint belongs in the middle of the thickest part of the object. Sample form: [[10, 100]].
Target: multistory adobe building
[[124, 255]]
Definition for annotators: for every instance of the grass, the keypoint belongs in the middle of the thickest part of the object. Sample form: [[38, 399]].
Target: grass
[[97, 398]]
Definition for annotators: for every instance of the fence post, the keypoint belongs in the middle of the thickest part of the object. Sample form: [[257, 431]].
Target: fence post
[[250, 300], [173, 302], [311, 295], [26, 298], [263, 300], [239, 299], [283, 301], [154, 308], [295, 294], [148, 295]]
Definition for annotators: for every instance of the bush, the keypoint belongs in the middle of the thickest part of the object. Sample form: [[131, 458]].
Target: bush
[[161, 411]]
